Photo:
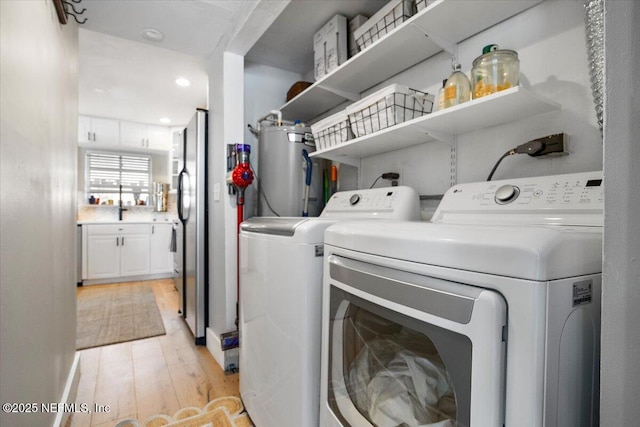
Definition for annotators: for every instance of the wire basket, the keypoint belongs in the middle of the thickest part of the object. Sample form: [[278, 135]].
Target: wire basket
[[388, 107], [385, 20], [422, 4], [332, 131]]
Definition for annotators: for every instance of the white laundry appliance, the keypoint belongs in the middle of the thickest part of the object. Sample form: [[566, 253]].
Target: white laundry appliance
[[487, 316], [280, 302]]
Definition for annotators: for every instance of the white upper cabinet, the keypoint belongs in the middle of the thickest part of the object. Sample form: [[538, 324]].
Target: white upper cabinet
[[159, 138], [139, 135], [95, 130], [132, 134], [106, 133]]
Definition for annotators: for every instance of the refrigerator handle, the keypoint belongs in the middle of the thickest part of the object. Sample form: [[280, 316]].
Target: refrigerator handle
[[185, 200], [180, 193]]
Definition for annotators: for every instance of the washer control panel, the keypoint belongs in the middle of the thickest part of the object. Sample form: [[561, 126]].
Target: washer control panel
[[506, 194], [389, 202], [568, 195]]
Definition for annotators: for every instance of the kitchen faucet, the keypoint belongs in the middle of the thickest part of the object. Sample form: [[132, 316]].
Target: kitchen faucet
[[120, 208]]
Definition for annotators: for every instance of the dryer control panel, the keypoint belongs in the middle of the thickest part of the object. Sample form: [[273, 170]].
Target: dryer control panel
[[401, 203], [572, 199]]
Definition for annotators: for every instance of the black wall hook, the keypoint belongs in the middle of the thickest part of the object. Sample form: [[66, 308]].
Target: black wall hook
[[64, 8]]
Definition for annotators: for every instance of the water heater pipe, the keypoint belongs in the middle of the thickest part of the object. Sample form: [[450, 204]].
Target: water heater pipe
[[276, 113]]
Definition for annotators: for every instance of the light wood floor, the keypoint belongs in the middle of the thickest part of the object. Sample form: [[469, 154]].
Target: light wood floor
[[154, 375]]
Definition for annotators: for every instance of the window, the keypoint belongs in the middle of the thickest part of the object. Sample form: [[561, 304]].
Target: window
[[106, 172]]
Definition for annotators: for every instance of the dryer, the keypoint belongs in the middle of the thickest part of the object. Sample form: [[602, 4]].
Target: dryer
[[280, 302], [487, 316]]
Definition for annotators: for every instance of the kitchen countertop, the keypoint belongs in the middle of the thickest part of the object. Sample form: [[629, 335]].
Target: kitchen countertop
[[124, 222]]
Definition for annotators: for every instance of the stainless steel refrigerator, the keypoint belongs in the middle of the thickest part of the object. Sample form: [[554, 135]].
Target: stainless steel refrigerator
[[192, 212]]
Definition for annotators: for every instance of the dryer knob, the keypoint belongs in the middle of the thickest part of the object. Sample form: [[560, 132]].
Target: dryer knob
[[353, 200], [506, 194]]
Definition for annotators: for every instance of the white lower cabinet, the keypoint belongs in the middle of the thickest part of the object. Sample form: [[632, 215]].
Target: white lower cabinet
[[134, 254], [103, 256], [113, 251], [161, 255]]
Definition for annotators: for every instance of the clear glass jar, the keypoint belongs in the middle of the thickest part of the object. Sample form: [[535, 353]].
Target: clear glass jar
[[494, 70], [440, 98], [457, 89]]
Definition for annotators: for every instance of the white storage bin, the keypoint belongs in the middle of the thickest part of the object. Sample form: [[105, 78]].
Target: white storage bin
[[388, 107], [331, 131], [386, 19]]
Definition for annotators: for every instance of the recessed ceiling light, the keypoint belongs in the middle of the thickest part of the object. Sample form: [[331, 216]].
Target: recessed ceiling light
[[99, 90], [152, 34], [181, 81], [165, 120]]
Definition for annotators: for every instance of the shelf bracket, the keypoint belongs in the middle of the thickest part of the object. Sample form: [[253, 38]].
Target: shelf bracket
[[443, 42], [445, 137], [343, 93], [351, 161]]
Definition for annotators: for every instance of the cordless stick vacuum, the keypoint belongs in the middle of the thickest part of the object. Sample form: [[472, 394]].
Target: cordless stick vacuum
[[241, 177]]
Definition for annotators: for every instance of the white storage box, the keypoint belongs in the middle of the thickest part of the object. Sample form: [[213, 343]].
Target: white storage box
[[330, 46], [386, 19], [319, 66], [354, 23], [388, 107], [332, 131], [422, 4]]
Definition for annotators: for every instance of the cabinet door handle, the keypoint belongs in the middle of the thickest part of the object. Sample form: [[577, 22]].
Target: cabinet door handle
[[153, 229], [94, 137], [89, 136], [117, 241], [122, 240]]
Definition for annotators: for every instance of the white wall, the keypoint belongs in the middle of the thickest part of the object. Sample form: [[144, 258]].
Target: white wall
[[225, 68], [264, 87], [550, 41], [620, 367], [39, 111], [225, 127]]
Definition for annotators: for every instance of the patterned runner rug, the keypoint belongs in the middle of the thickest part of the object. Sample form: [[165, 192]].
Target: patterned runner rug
[[222, 412]]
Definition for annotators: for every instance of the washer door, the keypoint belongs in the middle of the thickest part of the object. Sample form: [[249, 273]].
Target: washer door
[[406, 349]]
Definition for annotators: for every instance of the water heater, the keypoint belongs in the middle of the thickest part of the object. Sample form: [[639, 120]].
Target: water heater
[[282, 171]]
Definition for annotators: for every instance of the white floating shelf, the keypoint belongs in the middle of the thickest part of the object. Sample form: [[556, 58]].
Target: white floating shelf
[[440, 25], [503, 107]]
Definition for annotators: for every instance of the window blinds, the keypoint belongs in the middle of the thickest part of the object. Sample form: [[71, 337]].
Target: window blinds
[[106, 172]]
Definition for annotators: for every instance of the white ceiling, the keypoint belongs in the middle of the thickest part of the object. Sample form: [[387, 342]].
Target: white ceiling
[[127, 80], [124, 76]]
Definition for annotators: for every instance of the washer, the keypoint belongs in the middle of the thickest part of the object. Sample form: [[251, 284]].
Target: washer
[[280, 303], [487, 316]]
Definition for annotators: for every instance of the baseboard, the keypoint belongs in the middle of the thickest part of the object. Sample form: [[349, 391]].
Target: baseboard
[[127, 279], [228, 360], [70, 392]]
